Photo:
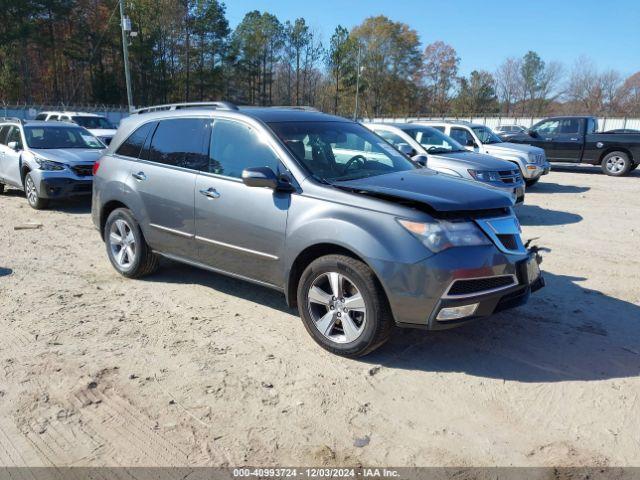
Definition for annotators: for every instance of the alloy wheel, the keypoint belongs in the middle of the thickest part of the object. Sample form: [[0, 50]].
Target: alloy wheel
[[30, 190], [337, 307], [122, 243], [615, 164]]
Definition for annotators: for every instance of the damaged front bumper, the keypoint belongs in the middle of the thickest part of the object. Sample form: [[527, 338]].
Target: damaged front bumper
[[461, 285]]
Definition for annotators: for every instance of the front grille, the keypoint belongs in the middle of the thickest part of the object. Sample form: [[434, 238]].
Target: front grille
[[538, 158], [476, 286], [83, 170], [509, 241], [510, 176]]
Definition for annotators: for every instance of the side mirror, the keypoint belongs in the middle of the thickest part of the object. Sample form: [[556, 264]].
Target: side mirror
[[264, 177], [406, 149], [260, 177], [14, 146], [532, 133], [471, 143], [420, 160]]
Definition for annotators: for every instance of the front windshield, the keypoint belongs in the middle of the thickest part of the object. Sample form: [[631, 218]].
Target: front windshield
[[434, 141], [485, 135], [93, 122], [340, 151], [48, 137]]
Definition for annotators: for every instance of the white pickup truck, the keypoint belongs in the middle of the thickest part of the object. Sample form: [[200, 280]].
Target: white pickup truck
[[532, 161]]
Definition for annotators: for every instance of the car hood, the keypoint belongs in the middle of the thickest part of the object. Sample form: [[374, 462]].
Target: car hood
[[70, 156], [475, 161], [506, 148], [441, 192]]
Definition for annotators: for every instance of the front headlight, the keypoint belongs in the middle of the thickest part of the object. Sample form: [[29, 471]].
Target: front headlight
[[532, 157], [44, 164], [440, 235], [485, 175]]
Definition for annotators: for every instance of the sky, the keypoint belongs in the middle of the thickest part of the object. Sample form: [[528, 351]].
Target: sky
[[485, 32]]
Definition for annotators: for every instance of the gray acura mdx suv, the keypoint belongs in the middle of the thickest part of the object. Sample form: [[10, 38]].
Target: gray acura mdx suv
[[355, 234]]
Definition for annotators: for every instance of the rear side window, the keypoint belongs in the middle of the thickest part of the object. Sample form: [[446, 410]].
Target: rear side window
[[460, 135], [3, 134], [390, 137], [182, 142], [439, 128], [132, 145], [14, 136], [41, 116], [234, 147]]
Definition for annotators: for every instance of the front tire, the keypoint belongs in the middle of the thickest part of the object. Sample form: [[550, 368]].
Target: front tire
[[30, 190], [530, 182], [126, 247], [616, 164], [1, 187], [343, 307]]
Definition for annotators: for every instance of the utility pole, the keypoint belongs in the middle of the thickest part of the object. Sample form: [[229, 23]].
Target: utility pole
[[355, 111], [125, 23]]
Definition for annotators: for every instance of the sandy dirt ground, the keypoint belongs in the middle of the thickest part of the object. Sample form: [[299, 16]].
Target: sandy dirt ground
[[192, 368]]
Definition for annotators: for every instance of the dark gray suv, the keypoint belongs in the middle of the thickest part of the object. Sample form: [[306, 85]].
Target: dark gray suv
[[355, 234]]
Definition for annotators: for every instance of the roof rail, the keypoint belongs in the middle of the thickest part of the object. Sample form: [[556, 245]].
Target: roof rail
[[184, 105], [306, 108], [12, 119]]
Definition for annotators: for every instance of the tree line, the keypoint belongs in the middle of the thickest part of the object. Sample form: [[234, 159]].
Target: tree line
[[70, 52]]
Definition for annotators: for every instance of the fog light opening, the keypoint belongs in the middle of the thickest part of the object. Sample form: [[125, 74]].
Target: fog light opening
[[455, 313]]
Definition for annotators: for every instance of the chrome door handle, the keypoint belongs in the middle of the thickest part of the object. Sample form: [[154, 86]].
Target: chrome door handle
[[211, 193], [139, 176], [574, 139], [548, 139]]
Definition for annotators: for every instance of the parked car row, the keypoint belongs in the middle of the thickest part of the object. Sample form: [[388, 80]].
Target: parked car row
[[437, 151], [98, 125], [357, 235]]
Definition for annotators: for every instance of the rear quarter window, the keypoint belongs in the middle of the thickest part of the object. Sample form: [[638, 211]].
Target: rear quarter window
[[133, 145]]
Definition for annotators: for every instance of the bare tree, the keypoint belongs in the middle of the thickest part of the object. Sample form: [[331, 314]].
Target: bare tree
[[509, 83], [595, 92], [440, 69]]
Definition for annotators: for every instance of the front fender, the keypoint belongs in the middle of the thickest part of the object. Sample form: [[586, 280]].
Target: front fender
[[375, 237]]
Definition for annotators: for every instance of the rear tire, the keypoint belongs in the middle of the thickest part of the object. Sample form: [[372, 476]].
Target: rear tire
[[30, 190], [530, 182], [343, 306], [616, 164], [126, 247], [1, 187]]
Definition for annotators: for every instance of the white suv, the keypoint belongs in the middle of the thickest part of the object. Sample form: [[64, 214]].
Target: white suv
[[98, 125], [532, 161]]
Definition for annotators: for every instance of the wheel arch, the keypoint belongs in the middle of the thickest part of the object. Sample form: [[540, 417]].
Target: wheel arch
[[106, 210], [308, 255], [609, 150]]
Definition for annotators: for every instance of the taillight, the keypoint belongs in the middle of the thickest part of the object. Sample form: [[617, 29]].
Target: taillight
[[96, 166]]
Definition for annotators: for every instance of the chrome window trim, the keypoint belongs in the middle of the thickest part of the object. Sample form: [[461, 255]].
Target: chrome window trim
[[236, 247], [446, 295]]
